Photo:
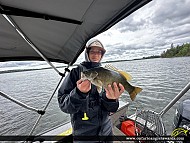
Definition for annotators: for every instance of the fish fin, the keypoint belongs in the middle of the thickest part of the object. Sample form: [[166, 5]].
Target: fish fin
[[99, 85], [126, 75], [99, 89], [135, 92]]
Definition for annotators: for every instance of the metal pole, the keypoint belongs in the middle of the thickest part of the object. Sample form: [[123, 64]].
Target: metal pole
[[40, 116], [18, 102], [181, 93], [11, 21]]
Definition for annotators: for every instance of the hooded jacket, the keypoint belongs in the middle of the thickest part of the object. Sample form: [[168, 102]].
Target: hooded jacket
[[96, 106]]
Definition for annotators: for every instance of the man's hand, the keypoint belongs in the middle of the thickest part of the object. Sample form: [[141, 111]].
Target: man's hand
[[115, 92], [84, 86]]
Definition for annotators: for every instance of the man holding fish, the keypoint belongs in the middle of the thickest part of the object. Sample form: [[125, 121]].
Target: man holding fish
[[90, 92]]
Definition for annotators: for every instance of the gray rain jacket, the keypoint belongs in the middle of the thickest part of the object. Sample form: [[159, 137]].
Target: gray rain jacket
[[97, 106]]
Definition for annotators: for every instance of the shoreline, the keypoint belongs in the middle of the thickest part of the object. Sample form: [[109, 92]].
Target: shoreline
[[43, 68]]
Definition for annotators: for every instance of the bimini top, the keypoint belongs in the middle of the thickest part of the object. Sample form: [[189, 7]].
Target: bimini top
[[57, 29]]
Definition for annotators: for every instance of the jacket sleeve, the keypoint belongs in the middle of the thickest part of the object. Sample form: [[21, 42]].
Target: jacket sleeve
[[70, 99], [110, 105]]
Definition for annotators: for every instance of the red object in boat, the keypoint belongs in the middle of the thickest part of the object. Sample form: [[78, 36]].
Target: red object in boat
[[128, 128]]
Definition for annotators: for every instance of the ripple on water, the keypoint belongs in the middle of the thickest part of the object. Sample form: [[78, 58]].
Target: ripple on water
[[161, 80]]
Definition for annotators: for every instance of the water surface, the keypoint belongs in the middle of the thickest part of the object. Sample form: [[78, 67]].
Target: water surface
[[161, 80]]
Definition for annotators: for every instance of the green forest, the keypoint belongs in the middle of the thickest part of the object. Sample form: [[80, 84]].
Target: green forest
[[178, 51]]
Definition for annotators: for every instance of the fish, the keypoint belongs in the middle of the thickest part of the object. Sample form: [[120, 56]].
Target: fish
[[101, 77]]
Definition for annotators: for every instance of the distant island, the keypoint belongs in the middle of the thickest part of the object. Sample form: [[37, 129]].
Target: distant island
[[178, 51]]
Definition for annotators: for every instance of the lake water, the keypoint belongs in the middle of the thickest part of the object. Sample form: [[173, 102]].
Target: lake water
[[161, 80]]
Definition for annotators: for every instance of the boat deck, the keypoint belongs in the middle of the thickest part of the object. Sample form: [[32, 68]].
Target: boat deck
[[116, 122]]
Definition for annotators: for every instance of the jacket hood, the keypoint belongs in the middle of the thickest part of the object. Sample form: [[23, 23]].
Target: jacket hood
[[91, 43]]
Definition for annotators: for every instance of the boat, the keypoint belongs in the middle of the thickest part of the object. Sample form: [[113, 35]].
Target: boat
[[145, 126], [56, 31], [64, 132]]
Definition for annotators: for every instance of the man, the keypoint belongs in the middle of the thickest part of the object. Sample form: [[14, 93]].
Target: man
[[88, 109]]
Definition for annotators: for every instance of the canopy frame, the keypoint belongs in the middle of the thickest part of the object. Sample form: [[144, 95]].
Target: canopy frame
[[25, 13], [21, 33]]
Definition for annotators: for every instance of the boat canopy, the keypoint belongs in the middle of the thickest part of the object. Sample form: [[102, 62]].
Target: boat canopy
[[57, 29]]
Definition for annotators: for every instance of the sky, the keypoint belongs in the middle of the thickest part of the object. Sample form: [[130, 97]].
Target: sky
[[146, 32], [149, 31]]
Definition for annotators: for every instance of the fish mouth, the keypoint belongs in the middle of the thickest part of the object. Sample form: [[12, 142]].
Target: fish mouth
[[83, 77], [90, 77]]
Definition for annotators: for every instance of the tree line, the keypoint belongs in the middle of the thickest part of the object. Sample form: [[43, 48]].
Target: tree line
[[178, 51]]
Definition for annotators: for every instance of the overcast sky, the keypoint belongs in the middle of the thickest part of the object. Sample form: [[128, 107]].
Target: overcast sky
[[149, 31]]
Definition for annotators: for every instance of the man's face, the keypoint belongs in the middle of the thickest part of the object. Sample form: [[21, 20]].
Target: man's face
[[95, 54]]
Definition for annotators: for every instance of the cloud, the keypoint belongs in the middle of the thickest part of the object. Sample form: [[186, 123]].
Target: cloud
[[171, 12], [150, 30]]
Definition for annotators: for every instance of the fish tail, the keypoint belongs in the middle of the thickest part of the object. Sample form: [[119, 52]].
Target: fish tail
[[135, 92]]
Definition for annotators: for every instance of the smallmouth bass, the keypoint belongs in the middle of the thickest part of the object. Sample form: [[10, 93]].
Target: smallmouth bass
[[101, 77]]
